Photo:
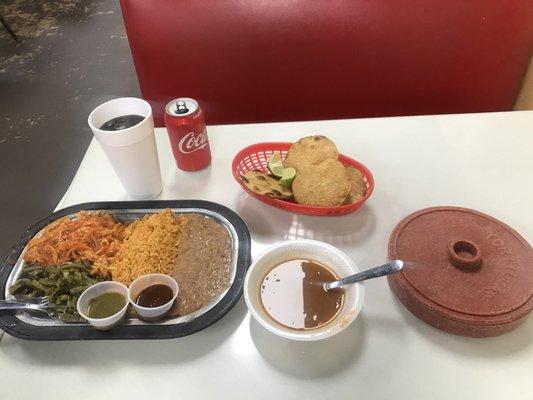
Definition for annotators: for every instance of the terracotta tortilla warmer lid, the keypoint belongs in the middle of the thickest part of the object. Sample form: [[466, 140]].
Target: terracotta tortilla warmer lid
[[465, 273]]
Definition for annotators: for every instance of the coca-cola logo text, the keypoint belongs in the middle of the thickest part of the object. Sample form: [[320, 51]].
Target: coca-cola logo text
[[190, 143]]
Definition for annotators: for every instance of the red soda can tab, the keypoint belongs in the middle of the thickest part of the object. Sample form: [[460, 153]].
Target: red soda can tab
[[186, 129]]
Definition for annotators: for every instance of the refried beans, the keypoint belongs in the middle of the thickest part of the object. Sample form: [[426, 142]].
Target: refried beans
[[202, 267]]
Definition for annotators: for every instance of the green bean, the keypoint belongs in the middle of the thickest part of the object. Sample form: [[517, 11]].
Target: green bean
[[70, 318], [47, 282], [52, 270], [76, 291], [60, 284], [33, 268], [67, 266], [35, 283], [61, 299], [19, 286]]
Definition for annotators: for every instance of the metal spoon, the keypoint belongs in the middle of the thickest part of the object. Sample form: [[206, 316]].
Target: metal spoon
[[385, 269]]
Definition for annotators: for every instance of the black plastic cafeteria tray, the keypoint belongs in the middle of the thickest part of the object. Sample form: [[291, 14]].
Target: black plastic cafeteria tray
[[11, 324]]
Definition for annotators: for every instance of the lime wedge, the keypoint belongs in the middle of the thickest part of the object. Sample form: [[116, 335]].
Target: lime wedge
[[275, 166], [287, 177]]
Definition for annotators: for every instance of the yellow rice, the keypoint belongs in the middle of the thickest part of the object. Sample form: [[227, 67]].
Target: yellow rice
[[150, 246]]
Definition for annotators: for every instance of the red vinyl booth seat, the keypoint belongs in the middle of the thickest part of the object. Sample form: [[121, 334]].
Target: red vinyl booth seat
[[257, 61]]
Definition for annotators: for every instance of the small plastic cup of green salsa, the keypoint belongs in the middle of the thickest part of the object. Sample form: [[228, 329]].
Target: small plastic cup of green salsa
[[104, 305]]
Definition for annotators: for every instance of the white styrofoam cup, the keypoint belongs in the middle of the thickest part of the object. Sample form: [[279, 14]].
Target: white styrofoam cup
[[132, 151]]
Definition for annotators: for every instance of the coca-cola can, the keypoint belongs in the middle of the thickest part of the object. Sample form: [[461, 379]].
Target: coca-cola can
[[186, 129]]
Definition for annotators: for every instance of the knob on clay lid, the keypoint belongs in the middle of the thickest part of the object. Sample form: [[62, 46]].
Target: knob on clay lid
[[466, 272]]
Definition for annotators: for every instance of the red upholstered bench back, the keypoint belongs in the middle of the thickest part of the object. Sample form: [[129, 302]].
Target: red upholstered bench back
[[256, 61]]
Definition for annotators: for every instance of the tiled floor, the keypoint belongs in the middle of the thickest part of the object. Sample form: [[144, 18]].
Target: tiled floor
[[71, 56]]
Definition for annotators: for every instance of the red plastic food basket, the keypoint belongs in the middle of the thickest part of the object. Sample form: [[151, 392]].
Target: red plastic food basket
[[255, 158]]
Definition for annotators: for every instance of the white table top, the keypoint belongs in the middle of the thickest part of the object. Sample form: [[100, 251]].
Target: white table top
[[480, 161]]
